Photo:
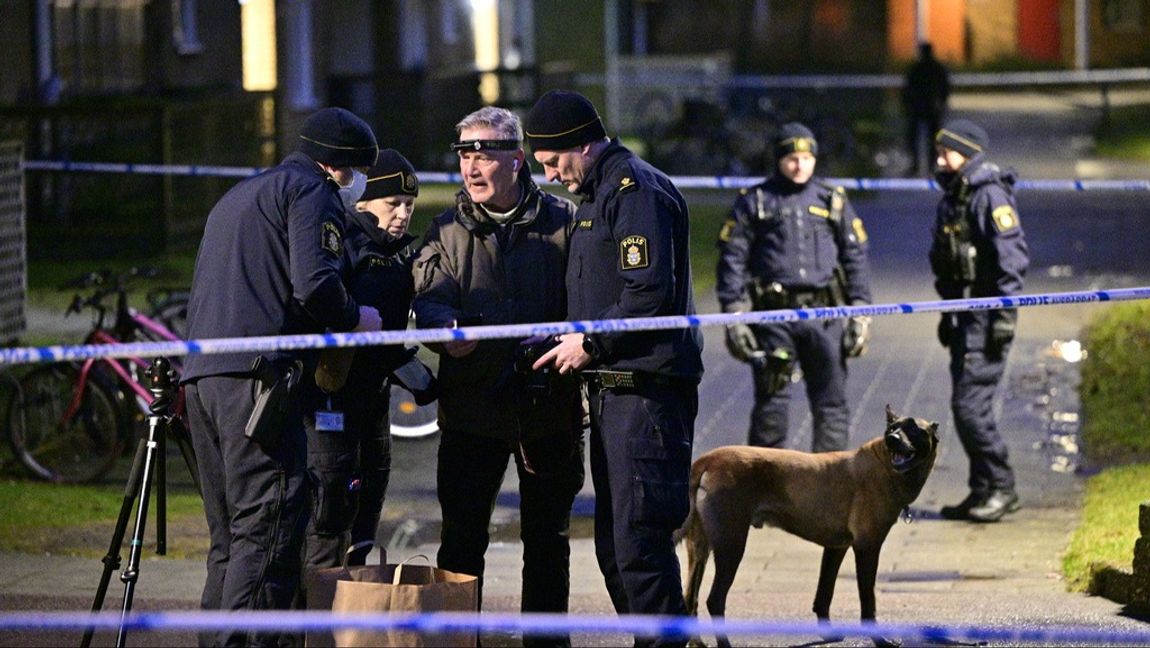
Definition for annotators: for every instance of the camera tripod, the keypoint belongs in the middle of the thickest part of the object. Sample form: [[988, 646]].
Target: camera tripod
[[148, 465]]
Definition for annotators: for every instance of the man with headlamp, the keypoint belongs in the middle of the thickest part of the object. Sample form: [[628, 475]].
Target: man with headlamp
[[499, 257]]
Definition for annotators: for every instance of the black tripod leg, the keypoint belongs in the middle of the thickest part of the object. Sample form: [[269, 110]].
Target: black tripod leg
[[162, 491], [132, 571], [111, 560], [179, 432]]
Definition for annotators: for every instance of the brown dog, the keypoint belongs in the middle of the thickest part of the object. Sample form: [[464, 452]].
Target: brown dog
[[840, 500]]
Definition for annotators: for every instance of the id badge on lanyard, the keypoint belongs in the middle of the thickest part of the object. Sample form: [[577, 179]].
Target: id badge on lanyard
[[328, 420]]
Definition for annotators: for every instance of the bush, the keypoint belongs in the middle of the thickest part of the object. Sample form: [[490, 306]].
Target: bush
[[1115, 384]]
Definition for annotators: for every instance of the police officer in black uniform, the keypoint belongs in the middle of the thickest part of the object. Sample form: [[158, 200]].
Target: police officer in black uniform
[[349, 436], [270, 262], [978, 250], [628, 258], [794, 241]]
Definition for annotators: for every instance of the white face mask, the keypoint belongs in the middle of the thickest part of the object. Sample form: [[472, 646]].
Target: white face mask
[[353, 191]]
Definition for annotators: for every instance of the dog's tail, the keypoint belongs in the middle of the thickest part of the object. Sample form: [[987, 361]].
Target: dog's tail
[[698, 548]]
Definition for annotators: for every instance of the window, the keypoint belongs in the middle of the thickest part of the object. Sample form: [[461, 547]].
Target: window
[[1122, 16], [99, 45]]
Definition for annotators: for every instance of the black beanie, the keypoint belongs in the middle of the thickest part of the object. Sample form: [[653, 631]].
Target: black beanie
[[963, 136], [336, 137], [561, 120], [392, 175], [793, 137]]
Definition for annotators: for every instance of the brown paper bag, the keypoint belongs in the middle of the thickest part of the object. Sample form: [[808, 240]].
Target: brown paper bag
[[406, 589], [319, 586]]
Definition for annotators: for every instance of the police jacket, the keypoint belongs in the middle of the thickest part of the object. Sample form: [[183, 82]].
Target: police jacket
[[270, 263], [378, 275], [470, 266], [630, 258], [978, 247], [978, 244], [796, 235]]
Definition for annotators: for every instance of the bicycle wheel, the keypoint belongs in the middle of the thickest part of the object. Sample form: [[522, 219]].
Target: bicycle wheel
[[60, 437], [409, 420]]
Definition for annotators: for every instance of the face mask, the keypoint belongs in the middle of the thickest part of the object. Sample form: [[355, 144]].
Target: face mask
[[353, 191]]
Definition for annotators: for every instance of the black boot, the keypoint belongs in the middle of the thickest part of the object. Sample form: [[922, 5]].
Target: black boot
[[961, 511], [1000, 502]]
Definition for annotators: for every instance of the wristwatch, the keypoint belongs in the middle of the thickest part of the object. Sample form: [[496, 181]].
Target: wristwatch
[[589, 346]]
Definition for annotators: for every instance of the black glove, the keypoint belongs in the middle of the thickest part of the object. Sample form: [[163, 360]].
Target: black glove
[[741, 342], [856, 335], [1001, 331], [945, 329]]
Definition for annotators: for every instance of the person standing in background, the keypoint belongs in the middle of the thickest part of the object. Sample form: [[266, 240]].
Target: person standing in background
[[978, 250]]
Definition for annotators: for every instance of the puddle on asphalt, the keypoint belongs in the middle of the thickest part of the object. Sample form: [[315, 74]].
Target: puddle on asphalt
[[1050, 390]]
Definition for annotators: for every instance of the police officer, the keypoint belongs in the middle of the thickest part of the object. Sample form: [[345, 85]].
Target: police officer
[[270, 262], [349, 440], [499, 257], [978, 250], [629, 258], [794, 241]]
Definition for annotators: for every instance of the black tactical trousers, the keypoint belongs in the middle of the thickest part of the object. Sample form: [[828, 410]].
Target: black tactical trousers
[[640, 464], [816, 346], [471, 470], [256, 502], [975, 375], [349, 470]]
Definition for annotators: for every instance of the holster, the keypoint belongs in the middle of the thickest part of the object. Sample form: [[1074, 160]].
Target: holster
[[275, 386]]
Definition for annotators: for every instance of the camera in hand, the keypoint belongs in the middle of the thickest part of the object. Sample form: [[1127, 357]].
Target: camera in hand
[[537, 381]]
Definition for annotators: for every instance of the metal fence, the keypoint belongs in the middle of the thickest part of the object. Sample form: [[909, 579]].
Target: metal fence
[[13, 248]]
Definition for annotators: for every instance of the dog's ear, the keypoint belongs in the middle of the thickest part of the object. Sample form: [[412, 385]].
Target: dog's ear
[[890, 417], [933, 427]]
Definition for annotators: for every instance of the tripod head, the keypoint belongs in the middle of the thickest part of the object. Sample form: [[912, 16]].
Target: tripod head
[[163, 387]]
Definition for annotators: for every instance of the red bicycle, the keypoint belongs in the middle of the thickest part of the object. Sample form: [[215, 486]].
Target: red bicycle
[[71, 421]]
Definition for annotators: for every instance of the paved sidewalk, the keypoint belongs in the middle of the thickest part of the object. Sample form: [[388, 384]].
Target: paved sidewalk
[[1003, 576]]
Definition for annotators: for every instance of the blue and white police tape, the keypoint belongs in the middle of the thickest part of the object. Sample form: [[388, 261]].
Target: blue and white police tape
[[26, 355], [537, 624], [683, 182]]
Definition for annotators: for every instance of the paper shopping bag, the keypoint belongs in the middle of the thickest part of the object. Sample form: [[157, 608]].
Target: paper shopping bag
[[319, 587], [405, 589]]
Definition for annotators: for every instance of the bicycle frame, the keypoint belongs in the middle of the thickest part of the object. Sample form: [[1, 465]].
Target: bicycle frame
[[101, 335]]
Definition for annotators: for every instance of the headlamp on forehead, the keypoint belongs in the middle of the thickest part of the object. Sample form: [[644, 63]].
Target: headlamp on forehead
[[486, 145]]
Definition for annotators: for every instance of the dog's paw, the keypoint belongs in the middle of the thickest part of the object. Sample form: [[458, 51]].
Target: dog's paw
[[886, 642]]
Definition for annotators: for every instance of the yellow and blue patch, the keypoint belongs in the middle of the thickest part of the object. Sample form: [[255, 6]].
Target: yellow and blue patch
[[331, 239], [1004, 218], [633, 252]]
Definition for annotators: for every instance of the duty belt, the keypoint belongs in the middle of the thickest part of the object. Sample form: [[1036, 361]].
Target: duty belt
[[774, 296], [606, 379]]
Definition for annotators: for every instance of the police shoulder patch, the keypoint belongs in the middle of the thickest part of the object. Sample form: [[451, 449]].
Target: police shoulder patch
[[1004, 218], [633, 252], [331, 239]]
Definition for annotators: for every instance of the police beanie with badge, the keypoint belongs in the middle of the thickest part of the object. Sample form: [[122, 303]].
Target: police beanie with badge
[[392, 175], [336, 137], [561, 120], [795, 138], [964, 136]]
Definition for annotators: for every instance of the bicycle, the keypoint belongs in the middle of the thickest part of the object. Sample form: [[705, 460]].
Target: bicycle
[[71, 421]]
